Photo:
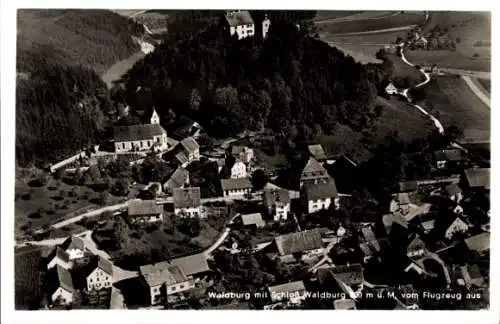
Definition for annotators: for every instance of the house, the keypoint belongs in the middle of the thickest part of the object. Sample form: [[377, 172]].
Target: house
[[395, 227], [291, 292], [236, 187], [178, 179], [478, 178], [416, 247], [427, 221], [141, 137], [391, 89], [306, 244], [164, 279], [240, 22], [238, 170], [187, 202], [194, 265], [454, 192], [317, 152], [145, 211], [59, 257], [60, 286], [478, 243], [74, 247], [189, 148], [350, 278], [444, 157], [472, 276], [182, 159], [314, 173], [403, 201], [243, 153], [254, 219], [319, 196], [277, 202], [101, 276], [453, 225]]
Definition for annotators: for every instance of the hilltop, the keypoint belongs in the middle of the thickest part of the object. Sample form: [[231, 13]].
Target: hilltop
[[94, 39]]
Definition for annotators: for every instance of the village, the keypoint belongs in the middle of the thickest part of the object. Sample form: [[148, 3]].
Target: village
[[275, 244]]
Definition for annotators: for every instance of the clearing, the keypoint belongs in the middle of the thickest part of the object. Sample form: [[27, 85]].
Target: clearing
[[115, 73], [451, 100]]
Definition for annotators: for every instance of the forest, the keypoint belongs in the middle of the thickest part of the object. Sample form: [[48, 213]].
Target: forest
[[95, 39], [291, 83], [59, 111]]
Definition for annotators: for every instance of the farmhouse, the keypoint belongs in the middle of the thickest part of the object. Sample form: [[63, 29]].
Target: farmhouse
[[60, 258], [60, 286], [187, 202], [305, 244], [178, 179], [445, 157], [101, 276], [141, 137], [319, 196], [391, 89], [164, 279], [253, 220], [236, 187], [194, 265], [190, 148], [145, 211], [313, 173], [243, 153], [74, 247], [416, 247], [238, 170], [240, 22], [277, 202]]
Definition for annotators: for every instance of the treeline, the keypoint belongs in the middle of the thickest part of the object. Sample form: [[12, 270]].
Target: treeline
[[291, 83], [59, 111], [92, 38]]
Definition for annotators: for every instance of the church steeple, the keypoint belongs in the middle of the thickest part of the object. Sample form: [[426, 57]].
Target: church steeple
[[155, 119]]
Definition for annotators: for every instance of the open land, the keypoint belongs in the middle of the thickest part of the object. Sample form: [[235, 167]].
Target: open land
[[453, 103]]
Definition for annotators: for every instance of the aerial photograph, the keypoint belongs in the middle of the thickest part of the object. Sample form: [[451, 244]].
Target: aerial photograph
[[252, 160]]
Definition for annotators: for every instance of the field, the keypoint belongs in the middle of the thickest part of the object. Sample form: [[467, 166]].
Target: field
[[451, 59], [332, 14], [403, 70], [360, 53], [115, 72], [451, 101], [381, 38], [367, 25]]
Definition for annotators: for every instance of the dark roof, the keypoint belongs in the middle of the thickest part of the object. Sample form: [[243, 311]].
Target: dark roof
[[232, 184], [298, 242], [351, 274], [320, 190], [452, 189], [317, 151], [448, 155], [192, 264], [478, 177], [144, 207], [239, 18], [187, 197], [137, 132], [105, 265], [73, 242], [60, 277], [190, 145], [277, 196], [178, 178], [407, 186], [479, 242]]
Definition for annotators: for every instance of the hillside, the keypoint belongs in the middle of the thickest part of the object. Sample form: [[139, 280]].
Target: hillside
[[95, 39]]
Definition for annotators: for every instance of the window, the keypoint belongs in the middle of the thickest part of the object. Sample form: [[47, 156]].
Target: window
[[90, 279], [181, 286], [123, 145], [142, 144], [158, 140], [173, 288], [149, 143]]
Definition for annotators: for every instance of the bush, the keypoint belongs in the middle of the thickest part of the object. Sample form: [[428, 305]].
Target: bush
[[50, 212], [37, 214], [52, 188], [26, 196]]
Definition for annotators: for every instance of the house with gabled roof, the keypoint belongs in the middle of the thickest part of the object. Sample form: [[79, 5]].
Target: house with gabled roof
[[350, 278], [60, 287], [454, 192], [313, 173], [145, 211], [101, 275], [187, 202], [190, 148], [59, 257], [142, 137], [290, 292], [278, 203], [193, 265], [253, 220], [238, 169], [164, 279], [74, 247], [444, 157], [243, 153], [416, 247], [317, 152], [240, 23], [315, 197], [479, 243], [178, 179], [391, 89], [236, 187], [477, 178], [304, 244]]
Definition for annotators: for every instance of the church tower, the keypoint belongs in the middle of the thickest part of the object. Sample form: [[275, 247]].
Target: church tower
[[155, 119]]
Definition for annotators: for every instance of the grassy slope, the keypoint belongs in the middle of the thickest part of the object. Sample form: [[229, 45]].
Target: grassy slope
[[93, 38], [470, 27], [453, 103]]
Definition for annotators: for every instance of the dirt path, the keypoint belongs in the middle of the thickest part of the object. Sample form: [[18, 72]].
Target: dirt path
[[477, 91], [377, 31]]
